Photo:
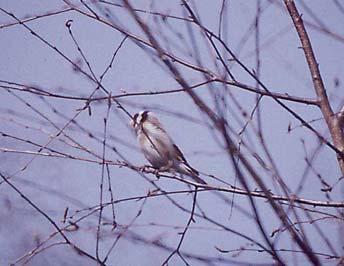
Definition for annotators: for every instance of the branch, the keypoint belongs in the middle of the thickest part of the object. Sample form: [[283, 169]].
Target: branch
[[332, 121], [191, 218], [232, 189], [39, 91], [51, 221], [340, 116], [150, 170]]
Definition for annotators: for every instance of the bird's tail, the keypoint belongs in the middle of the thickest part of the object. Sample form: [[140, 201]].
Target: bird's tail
[[192, 172]]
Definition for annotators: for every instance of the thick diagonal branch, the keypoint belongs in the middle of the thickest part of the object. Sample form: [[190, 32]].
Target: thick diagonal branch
[[331, 119]]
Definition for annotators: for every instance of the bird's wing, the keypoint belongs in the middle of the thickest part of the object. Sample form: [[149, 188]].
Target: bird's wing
[[187, 167], [179, 154], [180, 157], [156, 123]]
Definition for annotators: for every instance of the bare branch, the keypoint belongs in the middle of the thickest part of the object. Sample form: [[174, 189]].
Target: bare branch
[[324, 104]]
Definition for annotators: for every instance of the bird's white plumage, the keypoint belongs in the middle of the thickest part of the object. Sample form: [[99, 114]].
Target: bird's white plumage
[[155, 145], [158, 147]]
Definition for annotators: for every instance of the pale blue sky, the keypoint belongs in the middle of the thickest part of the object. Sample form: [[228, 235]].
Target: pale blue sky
[[25, 59]]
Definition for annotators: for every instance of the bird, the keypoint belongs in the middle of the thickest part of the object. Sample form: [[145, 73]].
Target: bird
[[158, 147]]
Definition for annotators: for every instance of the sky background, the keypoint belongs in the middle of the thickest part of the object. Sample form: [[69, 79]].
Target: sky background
[[54, 184]]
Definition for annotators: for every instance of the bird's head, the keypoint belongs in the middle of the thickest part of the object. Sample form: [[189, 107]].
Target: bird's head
[[140, 118]]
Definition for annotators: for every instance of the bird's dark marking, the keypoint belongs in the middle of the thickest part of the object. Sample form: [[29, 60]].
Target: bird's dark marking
[[179, 154], [144, 116], [135, 117], [182, 159]]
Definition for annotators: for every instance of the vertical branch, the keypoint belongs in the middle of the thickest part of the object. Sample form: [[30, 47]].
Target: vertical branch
[[114, 223], [191, 218], [332, 120], [102, 179], [223, 8]]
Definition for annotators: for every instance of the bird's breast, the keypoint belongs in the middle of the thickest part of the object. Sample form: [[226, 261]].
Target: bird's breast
[[156, 146]]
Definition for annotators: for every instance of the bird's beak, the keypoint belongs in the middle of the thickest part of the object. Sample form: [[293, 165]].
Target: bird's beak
[[132, 123]]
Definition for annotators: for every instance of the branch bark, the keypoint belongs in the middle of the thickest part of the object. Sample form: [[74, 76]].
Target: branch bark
[[331, 119]]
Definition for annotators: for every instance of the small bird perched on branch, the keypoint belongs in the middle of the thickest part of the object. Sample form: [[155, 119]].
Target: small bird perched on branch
[[158, 147]]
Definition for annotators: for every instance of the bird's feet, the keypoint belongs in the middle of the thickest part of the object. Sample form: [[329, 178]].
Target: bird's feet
[[157, 173], [143, 169], [148, 169], [166, 167]]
